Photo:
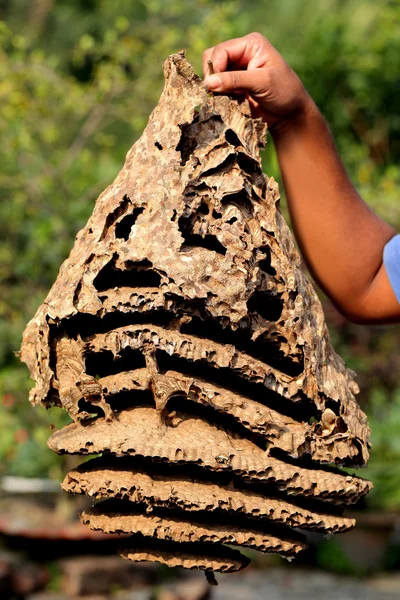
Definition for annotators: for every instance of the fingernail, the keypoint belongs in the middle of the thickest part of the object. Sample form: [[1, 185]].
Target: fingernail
[[213, 82]]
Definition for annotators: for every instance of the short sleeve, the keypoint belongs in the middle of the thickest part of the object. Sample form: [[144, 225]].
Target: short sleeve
[[391, 260]]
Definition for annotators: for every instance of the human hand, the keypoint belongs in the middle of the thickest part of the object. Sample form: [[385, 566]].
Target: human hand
[[251, 66]]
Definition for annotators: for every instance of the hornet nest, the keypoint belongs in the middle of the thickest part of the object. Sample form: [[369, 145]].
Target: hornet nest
[[191, 351]]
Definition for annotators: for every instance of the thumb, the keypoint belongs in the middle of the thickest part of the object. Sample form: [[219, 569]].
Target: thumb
[[236, 81]]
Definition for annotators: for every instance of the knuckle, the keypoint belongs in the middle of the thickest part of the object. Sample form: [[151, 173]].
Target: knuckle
[[256, 35], [259, 40]]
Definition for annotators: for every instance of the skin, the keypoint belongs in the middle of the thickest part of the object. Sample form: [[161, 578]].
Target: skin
[[341, 238]]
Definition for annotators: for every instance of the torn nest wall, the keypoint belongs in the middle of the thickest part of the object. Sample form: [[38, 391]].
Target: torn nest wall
[[191, 351]]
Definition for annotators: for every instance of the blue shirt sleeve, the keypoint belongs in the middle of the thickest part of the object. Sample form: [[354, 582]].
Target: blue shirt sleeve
[[391, 260]]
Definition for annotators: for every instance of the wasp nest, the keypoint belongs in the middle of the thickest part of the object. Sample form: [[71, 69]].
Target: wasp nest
[[192, 354]]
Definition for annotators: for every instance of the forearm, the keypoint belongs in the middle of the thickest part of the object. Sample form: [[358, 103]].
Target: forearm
[[341, 239]]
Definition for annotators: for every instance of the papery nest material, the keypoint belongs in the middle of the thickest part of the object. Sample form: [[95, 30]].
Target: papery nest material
[[191, 351]]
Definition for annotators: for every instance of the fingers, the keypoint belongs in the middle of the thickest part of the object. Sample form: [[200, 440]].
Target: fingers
[[236, 53], [225, 54], [205, 58], [254, 82]]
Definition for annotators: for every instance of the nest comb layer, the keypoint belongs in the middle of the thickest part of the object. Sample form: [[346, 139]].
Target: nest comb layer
[[191, 351]]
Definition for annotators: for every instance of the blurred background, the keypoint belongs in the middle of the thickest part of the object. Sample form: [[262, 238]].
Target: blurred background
[[78, 80]]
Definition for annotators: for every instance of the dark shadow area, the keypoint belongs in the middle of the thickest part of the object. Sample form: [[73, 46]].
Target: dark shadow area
[[263, 349], [115, 215], [131, 399], [101, 364], [198, 133], [229, 380], [210, 242], [241, 200], [268, 306], [86, 326], [124, 227], [136, 274], [265, 264]]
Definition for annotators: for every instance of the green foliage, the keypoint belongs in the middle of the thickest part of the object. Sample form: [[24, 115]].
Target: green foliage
[[55, 577], [78, 80], [383, 469]]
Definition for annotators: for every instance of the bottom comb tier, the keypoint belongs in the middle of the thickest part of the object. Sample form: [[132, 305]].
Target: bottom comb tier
[[194, 555]]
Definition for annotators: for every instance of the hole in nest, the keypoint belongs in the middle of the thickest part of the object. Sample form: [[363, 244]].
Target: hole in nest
[[91, 408], [136, 274], [198, 133], [86, 325], [247, 164], [101, 364], [268, 306], [187, 143], [203, 209], [131, 399], [209, 242], [224, 167], [232, 138], [341, 426], [241, 200], [265, 263], [158, 145], [115, 215], [124, 227], [333, 406]]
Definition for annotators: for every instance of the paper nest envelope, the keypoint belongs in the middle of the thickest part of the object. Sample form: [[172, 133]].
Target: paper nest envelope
[[191, 351]]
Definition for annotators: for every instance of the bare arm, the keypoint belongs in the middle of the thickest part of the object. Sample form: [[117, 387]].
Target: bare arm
[[342, 240]]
